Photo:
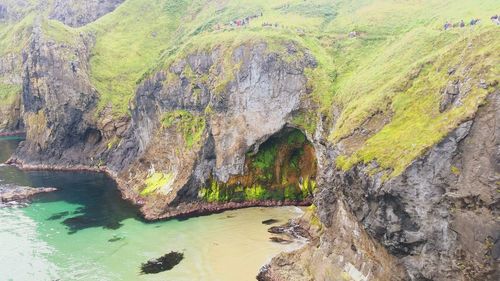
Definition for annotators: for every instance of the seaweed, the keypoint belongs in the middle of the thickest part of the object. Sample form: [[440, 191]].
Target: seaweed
[[164, 263]]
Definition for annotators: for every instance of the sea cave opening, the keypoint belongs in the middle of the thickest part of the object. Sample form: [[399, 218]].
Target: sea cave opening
[[282, 168]]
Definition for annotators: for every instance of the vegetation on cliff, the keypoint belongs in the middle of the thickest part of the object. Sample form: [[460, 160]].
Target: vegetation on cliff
[[383, 66], [8, 93], [190, 126], [157, 181], [284, 168], [13, 38], [418, 119]]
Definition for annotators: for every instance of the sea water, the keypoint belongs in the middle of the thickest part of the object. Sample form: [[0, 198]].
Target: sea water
[[85, 231]]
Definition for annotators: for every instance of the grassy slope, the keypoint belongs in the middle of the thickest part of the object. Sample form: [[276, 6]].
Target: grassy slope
[[356, 76], [371, 80], [129, 41]]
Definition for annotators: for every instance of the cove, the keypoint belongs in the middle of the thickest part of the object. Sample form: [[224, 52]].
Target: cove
[[85, 231]]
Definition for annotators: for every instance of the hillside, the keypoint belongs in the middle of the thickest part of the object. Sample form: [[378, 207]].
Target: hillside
[[202, 105], [142, 36]]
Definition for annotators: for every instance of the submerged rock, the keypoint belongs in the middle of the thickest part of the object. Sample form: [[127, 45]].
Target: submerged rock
[[280, 240], [20, 194], [116, 238], [58, 216], [164, 263], [270, 221]]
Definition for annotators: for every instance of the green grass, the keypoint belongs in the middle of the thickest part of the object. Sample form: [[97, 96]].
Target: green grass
[[142, 34], [14, 36], [59, 32], [216, 193], [417, 123], [358, 77], [8, 93], [306, 121], [219, 193], [128, 42]]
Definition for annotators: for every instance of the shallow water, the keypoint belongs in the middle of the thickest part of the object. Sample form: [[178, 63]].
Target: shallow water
[[85, 231]]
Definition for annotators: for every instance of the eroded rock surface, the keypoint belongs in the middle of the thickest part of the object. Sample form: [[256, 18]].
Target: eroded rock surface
[[11, 107], [260, 101], [13, 10], [57, 102]]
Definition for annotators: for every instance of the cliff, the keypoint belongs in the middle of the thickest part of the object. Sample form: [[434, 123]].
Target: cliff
[[436, 221], [389, 131]]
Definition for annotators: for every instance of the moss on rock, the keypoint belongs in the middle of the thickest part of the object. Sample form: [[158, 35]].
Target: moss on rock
[[190, 125], [157, 181]]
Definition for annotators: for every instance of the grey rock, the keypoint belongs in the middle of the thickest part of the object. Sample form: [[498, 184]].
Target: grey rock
[[20, 194], [78, 13]]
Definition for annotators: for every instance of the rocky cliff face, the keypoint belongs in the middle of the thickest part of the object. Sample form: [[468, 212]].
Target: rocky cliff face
[[189, 129], [415, 226], [439, 218], [13, 10], [58, 101], [11, 108], [11, 121], [79, 13], [231, 118], [11, 70], [14, 59]]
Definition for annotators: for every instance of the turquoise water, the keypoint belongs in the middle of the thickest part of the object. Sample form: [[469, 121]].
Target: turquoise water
[[84, 231]]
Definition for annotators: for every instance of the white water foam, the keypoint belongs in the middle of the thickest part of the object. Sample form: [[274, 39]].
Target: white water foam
[[22, 254]]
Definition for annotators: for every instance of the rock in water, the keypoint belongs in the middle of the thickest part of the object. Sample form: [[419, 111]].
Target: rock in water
[[10, 192], [270, 221], [280, 240], [164, 263], [116, 238], [293, 230]]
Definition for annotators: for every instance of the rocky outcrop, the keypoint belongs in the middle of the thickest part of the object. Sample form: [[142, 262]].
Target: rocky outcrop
[[343, 251], [58, 101], [234, 113], [238, 112], [11, 117], [77, 13], [14, 10], [11, 81], [19, 194], [439, 218]]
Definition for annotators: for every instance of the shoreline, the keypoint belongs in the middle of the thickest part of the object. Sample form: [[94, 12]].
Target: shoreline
[[182, 211], [12, 133], [199, 209]]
